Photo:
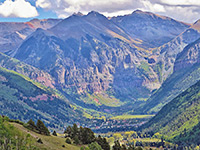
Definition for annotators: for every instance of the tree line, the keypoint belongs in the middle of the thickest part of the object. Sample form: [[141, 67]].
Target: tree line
[[83, 135]]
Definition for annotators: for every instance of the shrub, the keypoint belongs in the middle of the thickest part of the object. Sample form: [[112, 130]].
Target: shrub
[[40, 141], [54, 133], [68, 141]]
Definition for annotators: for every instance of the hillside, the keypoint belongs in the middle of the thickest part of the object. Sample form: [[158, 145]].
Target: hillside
[[21, 98], [178, 121], [33, 73], [23, 138], [185, 74]]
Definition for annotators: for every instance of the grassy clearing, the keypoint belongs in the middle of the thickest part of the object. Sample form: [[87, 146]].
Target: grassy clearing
[[102, 99], [124, 117]]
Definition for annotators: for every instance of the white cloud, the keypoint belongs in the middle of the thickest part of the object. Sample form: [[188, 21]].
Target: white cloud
[[181, 2], [184, 10], [17, 8], [153, 7], [64, 8]]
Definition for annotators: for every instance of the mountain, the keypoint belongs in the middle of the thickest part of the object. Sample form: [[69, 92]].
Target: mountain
[[12, 34], [185, 73], [102, 67], [91, 54], [93, 24], [178, 121], [22, 98], [99, 61], [152, 29], [166, 54]]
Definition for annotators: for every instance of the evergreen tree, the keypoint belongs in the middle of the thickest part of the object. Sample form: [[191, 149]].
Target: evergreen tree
[[131, 147], [76, 140], [88, 136], [54, 133], [94, 146], [116, 145], [31, 125], [123, 147], [42, 129], [74, 130], [68, 141], [81, 134], [103, 143], [68, 132]]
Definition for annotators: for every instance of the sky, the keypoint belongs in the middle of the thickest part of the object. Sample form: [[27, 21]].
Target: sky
[[25, 10]]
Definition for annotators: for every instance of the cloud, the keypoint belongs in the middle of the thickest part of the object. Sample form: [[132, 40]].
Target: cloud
[[184, 10], [181, 2], [17, 8]]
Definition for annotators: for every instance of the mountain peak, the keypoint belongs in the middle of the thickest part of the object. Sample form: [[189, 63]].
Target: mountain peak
[[34, 20], [197, 22], [138, 11], [196, 25], [149, 14], [95, 14], [78, 14]]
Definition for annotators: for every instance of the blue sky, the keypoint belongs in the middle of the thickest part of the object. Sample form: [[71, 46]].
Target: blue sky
[[42, 14], [25, 10]]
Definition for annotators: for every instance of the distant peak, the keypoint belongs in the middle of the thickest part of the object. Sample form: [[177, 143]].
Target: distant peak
[[197, 22], [138, 11], [34, 20], [196, 25], [78, 14], [142, 12], [94, 13]]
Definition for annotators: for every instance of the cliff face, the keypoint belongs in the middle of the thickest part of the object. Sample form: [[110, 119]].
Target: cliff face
[[189, 56], [186, 72], [92, 54], [120, 57]]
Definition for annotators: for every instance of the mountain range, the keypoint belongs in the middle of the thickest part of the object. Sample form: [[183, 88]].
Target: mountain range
[[99, 66], [13, 33]]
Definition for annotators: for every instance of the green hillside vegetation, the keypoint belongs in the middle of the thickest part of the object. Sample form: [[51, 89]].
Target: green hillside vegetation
[[172, 87], [25, 69], [179, 120], [22, 98], [133, 139], [23, 84], [15, 136]]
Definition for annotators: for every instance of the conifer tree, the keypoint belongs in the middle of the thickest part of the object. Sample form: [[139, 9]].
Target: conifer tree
[[54, 133], [31, 125], [116, 145], [42, 129]]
